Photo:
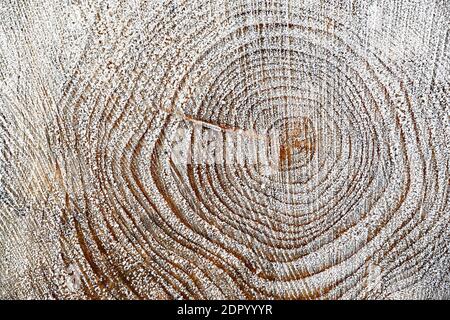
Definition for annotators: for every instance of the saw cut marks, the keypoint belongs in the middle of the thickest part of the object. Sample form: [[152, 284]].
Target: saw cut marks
[[316, 167]]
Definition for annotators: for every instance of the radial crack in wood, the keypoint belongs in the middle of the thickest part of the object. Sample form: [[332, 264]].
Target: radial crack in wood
[[242, 149]]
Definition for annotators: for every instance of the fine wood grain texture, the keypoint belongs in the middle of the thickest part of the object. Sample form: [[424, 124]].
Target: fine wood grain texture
[[351, 96]]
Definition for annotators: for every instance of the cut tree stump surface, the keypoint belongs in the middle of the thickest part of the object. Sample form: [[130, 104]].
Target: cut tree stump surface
[[224, 149]]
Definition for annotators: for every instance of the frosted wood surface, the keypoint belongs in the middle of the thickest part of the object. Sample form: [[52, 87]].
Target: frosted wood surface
[[92, 94]]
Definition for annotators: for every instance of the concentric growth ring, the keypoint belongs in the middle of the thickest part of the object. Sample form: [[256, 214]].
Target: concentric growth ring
[[344, 192]]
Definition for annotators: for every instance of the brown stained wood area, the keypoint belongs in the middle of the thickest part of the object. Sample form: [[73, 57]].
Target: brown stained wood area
[[224, 149]]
